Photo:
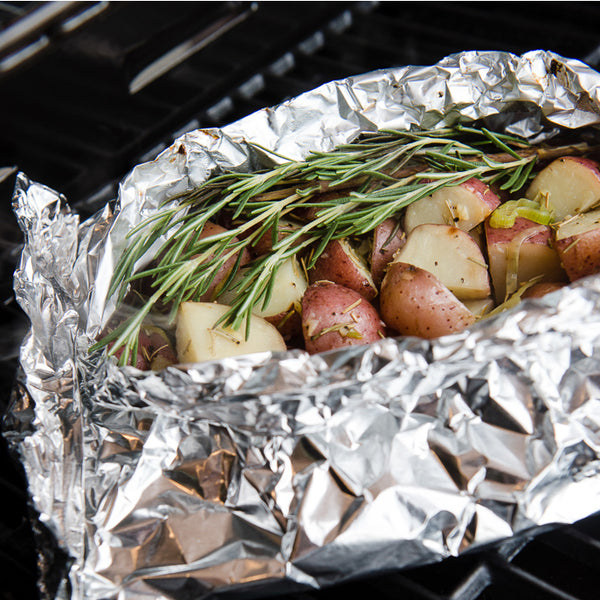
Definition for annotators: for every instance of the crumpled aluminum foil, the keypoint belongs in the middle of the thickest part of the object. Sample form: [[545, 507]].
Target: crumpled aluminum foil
[[293, 469]]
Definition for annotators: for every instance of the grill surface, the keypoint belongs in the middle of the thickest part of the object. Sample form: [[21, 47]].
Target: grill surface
[[88, 90]]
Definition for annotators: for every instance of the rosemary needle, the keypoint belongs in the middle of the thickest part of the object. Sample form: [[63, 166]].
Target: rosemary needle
[[375, 177]]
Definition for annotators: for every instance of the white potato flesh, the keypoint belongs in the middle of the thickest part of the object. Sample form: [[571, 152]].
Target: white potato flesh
[[577, 225], [290, 285], [450, 254], [463, 206], [520, 254], [197, 338], [571, 185], [479, 307]]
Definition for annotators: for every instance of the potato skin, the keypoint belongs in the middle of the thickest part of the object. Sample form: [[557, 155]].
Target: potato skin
[[580, 254], [340, 264], [388, 237], [145, 285], [450, 254], [539, 290], [334, 316], [464, 206], [155, 351], [264, 244], [572, 184], [414, 302], [212, 291], [537, 256]]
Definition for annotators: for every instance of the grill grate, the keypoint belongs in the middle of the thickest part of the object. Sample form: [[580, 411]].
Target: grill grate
[[68, 118]]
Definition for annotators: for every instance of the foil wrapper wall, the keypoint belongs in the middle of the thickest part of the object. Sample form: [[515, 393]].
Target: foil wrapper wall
[[290, 469]]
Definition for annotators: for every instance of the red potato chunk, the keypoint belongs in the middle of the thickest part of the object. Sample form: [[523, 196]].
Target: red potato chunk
[[283, 307], [414, 302], [522, 252], [340, 264], [310, 213], [144, 286], [538, 290], [264, 244], [571, 185], [199, 339], [577, 241], [213, 290], [388, 238], [334, 316], [450, 254], [155, 351], [463, 206]]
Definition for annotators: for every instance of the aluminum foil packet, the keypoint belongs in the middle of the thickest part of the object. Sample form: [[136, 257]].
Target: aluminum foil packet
[[290, 469]]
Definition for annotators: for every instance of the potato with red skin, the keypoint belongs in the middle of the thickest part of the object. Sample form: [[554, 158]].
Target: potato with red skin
[[577, 241], [211, 293], [264, 244], [310, 213], [283, 307], [340, 263], [570, 184], [414, 302], [450, 254], [144, 286], [142, 361], [388, 238], [334, 316], [464, 206], [159, 350], [529, 243], [155, 351], [538, 290]]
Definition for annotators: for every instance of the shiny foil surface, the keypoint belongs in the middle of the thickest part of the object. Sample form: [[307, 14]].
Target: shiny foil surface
[[296, 470]]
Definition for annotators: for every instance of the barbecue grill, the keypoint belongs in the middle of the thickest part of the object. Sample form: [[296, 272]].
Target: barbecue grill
[[90, 89]]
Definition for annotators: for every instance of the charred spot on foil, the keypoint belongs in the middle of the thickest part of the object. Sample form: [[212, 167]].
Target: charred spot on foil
[[181, 149], [209, 133]]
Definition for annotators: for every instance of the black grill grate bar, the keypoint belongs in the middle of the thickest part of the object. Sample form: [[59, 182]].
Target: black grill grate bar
[[364, 53], [75, 150], [473, 585], [15, 565], [93, 110], [410, 44], [562, 560], [445, 28], [325, 69], [501, 570], [516, 25], [388, 586], [574, 543], [580, 537], [51, 167], [424, 30], [374, 53]]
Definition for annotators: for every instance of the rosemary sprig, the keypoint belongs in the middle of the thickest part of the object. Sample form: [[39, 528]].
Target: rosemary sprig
[[375, 177]]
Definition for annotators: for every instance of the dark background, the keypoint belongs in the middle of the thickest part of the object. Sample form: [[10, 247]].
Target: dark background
[[72, 117]]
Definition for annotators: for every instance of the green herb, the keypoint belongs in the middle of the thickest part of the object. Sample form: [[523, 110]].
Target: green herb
[[387, 171]]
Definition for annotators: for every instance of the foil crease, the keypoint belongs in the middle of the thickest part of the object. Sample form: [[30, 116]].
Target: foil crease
[[292, 470]]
